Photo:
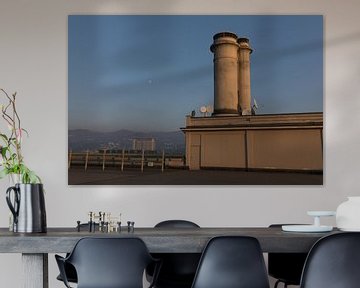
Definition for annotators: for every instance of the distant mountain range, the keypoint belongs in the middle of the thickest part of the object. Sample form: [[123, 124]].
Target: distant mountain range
[[82, 140]]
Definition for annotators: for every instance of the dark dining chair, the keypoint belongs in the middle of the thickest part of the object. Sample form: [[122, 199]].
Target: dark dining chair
[[286, 267], [232, 262], [69, 269], [108, 263], [333, 262], [178, 269]]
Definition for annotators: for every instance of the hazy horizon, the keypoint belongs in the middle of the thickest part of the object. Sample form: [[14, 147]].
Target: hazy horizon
[[157, 131]]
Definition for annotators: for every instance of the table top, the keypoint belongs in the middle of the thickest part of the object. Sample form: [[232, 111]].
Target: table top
[[158, 240]]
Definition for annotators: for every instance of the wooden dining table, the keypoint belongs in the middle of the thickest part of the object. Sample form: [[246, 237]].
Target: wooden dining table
[[35, 247]]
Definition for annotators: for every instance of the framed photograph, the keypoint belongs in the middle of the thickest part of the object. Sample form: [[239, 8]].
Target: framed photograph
[[195, 100]]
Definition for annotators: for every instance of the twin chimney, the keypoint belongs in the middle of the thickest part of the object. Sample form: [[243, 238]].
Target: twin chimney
[[232, 93]]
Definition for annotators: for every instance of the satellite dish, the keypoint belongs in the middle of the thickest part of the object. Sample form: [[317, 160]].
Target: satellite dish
[[255, 104], [203, 109], [209, 109]]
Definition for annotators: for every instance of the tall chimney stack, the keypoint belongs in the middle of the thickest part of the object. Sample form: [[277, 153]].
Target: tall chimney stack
[[225, 49], [244, 76]]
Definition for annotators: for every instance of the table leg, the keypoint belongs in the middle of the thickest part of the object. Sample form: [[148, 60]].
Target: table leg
[[35, 270]]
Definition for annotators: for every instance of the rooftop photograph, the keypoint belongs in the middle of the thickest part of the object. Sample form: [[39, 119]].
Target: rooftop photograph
[[239, 93]]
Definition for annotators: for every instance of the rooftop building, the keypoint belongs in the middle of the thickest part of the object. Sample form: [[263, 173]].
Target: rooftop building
[[234, 138]]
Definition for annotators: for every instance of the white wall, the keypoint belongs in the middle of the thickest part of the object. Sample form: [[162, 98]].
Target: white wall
[[33, 62]]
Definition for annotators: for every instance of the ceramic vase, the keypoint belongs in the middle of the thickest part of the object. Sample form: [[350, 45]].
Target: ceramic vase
[[27, 204], [348, 214]]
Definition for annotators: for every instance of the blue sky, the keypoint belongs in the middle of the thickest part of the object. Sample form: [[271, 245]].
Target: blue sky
[[146, 73]]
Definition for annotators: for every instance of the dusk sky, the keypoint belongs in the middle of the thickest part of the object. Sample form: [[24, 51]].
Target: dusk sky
[[146, 73]]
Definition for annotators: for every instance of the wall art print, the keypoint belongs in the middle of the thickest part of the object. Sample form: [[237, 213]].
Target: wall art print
[[195, 100]]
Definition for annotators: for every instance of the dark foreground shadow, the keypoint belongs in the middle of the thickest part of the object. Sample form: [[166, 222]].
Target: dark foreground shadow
[[95, 176]]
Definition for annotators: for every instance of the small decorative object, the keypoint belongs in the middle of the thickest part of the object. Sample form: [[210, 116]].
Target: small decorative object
[[103, 222], [316, 227], [26, 197], [348, 214]]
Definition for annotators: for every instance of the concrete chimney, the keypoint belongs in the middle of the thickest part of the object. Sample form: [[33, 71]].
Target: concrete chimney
[[225, 49], [244, 76]]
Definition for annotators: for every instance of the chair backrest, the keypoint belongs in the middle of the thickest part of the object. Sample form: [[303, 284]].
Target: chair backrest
[[232, 262], [110, 262], [333, 262], [286, 266], [178, 269], [176, 224]]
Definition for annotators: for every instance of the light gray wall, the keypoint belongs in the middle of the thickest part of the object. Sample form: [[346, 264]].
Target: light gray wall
[[33, 62]]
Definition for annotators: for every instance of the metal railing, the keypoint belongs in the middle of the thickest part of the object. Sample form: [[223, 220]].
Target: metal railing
[[126, 159]]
